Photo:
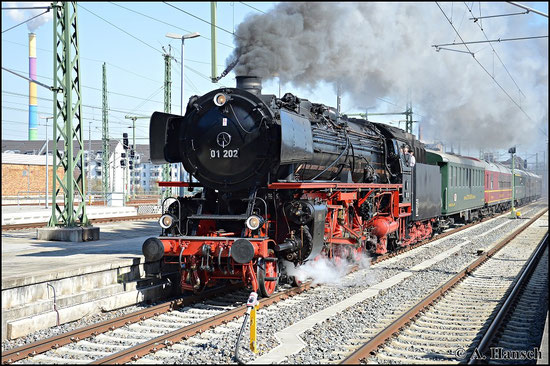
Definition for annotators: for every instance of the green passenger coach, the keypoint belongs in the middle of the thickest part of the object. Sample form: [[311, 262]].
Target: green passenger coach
[[462, 184]]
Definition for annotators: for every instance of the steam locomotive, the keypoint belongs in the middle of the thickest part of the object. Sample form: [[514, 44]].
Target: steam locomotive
[[286, 180]]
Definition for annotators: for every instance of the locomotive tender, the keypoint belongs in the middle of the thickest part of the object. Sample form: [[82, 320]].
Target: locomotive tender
[[285, 179]]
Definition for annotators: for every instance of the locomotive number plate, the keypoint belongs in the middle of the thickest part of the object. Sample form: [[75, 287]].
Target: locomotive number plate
[[224, 154]]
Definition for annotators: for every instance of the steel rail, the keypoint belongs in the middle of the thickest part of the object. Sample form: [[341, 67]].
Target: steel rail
[[166, 340], [522, 280], [402, 250], [370, 347], [42, 346], [32, 349]]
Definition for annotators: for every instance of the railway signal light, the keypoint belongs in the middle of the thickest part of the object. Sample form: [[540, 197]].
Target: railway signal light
[[125, 141]]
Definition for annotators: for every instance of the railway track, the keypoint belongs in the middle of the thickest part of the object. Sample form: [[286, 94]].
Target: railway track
[[93, 221], [127, 338], [519, 325], [400, 251], [70, 345], [447, 326]]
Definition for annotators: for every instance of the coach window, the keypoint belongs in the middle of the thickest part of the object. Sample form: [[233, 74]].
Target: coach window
[[455, 177], [452, 172], [452, 176]]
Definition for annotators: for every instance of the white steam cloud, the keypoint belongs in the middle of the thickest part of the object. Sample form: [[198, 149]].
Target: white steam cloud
[[323, 270], [21, 15], [385, 50]]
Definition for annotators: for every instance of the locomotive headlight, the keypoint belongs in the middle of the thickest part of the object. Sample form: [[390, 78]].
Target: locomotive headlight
[[166, 221], [220, 99], [254, 222]]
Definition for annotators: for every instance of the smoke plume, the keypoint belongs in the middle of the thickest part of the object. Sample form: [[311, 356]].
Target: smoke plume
[[384, 50], [21, 15]]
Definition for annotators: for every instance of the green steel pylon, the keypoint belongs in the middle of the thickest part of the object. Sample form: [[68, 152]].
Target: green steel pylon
[[105, 136], [166, 176], [67, 112]]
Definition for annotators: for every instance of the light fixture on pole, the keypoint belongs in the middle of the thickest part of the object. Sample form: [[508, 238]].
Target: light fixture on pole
[[183, 38], [47, 165], [512, 151]]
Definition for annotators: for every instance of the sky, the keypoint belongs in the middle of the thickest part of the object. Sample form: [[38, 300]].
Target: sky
[[390, 51]]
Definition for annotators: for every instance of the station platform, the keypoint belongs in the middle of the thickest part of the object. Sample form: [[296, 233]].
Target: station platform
[[88, 277], [27, 214]]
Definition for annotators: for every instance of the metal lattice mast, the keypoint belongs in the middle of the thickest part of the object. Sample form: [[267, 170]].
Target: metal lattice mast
[[132, 154], [213, 39], [166, 176], [409, 118], [67, 116], [105, 136]]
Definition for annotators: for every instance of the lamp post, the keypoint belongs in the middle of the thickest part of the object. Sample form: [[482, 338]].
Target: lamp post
[[512, 151], [47, 165], [183, 38]]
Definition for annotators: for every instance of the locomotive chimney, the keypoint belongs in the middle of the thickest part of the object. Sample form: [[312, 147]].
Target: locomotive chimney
[[252, 84]]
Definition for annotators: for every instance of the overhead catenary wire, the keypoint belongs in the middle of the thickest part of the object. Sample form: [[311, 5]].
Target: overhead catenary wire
[[26, 7], [199, 18], [116, 110], [163, 22], [489, 41], [90, 59], [495, 52], [110, 63], [120, 29], [28, 79], [527, 8], [250, 6], [84, 86], [28, 20], [479, 63], [150, 46], [475, 19]]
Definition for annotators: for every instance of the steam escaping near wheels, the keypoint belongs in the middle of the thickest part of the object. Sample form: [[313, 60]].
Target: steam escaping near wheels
[[324, 270]]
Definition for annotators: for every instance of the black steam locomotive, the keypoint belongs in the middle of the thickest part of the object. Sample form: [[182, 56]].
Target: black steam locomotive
[[283, 179]]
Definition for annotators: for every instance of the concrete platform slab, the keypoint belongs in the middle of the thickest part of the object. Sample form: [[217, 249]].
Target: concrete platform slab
[[72, 234], [106, 272], [35, 214]]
